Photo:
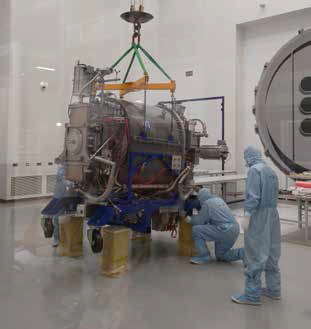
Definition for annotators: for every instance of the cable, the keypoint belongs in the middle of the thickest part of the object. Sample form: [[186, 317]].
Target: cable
[[154, 178], [95, 199], [185, 172], [105, 143]]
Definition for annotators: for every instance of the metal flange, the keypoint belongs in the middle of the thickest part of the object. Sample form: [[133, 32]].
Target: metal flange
[[136, 17]]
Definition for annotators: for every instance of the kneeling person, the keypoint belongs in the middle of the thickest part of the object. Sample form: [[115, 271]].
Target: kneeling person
[[214, 222]]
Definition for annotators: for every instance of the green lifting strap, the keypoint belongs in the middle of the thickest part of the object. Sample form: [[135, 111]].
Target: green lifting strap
[[152, 60], [136, 53], [122, 57], [129, 68], [140, 59]]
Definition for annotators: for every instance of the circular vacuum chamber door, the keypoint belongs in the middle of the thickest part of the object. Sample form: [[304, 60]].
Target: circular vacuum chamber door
[[283, 105]]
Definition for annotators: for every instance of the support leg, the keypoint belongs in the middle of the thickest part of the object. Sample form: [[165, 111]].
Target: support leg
[[299, 214], [306, 220], [71, 237], [115, 252], [186, 245], [224, 191]]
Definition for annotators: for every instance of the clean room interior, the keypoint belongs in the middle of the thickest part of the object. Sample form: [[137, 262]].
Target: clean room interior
[[215, 53]]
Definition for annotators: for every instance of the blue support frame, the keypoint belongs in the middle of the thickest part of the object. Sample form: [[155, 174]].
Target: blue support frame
[[63, 206], [117, 214], [109, 215]]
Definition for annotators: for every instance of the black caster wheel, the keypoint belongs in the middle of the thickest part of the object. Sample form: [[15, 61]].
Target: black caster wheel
[[48, 227], [96, 241]]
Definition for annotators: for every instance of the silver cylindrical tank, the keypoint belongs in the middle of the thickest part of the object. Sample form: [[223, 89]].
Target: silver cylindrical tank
[[126, 129]]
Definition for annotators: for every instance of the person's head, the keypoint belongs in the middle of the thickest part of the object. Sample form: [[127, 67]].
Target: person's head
[[252, 156], [58, 161], [204, 194], [60, 172]]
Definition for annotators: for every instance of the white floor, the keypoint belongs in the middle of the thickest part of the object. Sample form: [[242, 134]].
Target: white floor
[[161, 290]]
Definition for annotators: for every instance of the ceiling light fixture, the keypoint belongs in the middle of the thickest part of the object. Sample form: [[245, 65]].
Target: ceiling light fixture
[[45, 68]]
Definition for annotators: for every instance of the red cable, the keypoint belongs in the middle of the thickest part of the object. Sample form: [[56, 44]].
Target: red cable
[[160, 173]]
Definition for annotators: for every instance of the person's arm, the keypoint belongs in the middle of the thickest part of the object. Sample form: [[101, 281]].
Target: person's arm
[[253, 191], [202, 217]]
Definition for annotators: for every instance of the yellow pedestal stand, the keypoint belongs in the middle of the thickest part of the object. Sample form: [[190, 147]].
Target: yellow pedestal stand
[[115, 251], [71, 237]]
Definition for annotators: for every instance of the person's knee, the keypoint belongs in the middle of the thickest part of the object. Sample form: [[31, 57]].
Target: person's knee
[[196, 232]]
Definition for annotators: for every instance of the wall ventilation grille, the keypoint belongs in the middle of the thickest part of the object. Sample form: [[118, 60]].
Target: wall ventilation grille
[[26, 185], [50, 183]]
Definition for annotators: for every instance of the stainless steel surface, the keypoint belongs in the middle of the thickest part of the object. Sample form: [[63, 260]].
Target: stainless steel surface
[[161, 290], [149, 145], [307, 219], [302, 177], [303, 206], [129, 128], [202, 180], [136, 17], [278, 105], [299, 213], [82, 75], [213, 181], [201, 172], [214, 152], [74, 141], [91, 124]]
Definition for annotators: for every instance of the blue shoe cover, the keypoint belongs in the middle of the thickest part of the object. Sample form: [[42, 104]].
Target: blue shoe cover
[[265, 292], [55, 243], [199, 260], [242, 299]]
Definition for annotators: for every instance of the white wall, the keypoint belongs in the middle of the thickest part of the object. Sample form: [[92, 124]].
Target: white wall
[[36, 40], [199, 35], [96, 35], [4, 85], [249, 10]]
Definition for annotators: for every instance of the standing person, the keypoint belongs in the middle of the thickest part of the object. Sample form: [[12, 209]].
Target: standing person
[[214, 222], [63, 202], [59, 192], [262, 231]]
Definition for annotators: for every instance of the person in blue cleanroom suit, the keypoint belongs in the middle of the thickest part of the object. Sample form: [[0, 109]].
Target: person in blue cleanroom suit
[[262, 231], [214, 222], [59, 192]]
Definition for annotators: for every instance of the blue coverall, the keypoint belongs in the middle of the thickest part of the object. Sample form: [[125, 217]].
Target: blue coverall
[[262, 239], [59, 192], [215, 222]]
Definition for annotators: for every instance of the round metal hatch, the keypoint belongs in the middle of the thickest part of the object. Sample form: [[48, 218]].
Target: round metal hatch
[[282, 105]]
